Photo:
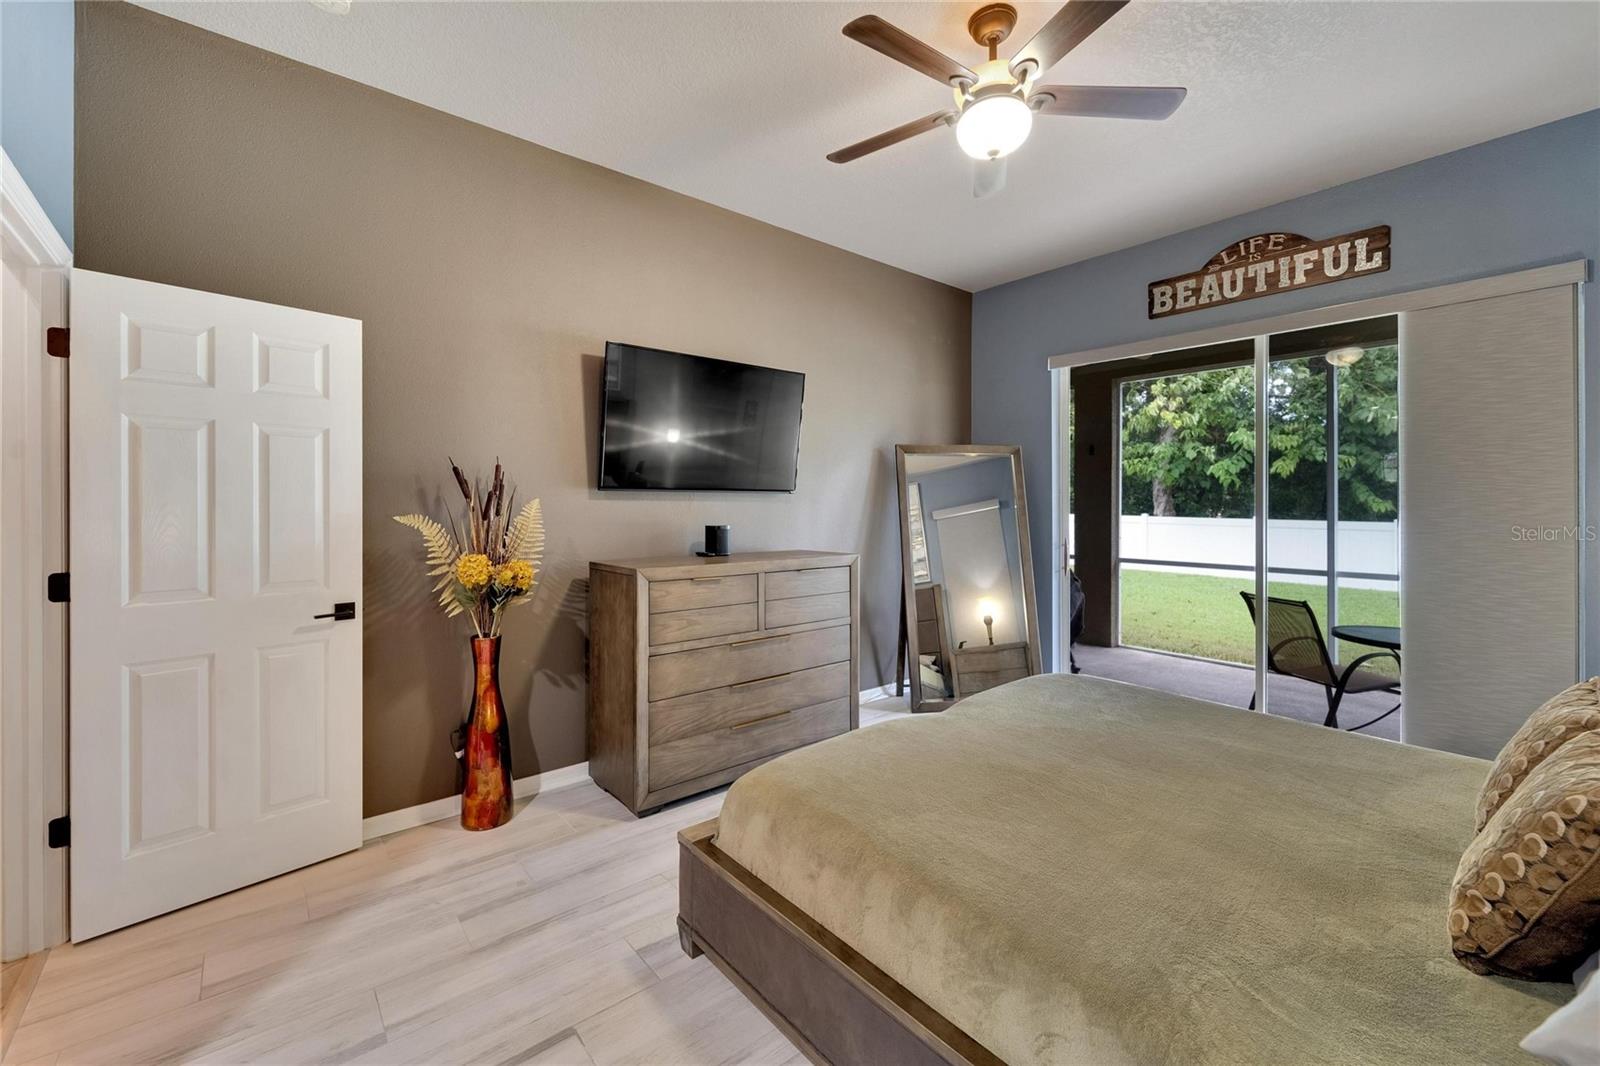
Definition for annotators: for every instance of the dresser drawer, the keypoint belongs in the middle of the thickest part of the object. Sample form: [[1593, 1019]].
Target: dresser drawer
[[786, 584], [993, 657], [692, 592], [801, 609], [670, 626], [719, 708], [989, 667], [754, 738], [679, 672]]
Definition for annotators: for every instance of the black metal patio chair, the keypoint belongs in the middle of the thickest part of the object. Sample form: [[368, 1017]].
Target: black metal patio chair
[[1295, 648], [1075, 602]]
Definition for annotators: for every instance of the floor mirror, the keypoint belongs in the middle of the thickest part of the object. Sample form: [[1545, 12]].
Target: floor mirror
[[970, 618]]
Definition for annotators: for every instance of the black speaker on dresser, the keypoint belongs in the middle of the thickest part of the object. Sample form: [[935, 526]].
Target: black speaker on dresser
[[717, 538]]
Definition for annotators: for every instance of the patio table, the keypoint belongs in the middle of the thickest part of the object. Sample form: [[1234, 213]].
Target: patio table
[[1372, 636], [1386, 637]]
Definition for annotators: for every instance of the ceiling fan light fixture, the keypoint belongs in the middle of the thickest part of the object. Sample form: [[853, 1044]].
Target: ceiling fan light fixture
[[1349, 355], [993, 127], [995, 101]]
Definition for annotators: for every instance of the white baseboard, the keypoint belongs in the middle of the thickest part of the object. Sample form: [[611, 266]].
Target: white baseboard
[[381, 825]]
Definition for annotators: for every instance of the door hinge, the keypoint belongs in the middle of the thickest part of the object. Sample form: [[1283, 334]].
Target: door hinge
[[58, 588], [58, 832], [58, 341]]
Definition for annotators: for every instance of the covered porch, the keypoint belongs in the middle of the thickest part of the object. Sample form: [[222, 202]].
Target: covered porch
[[1232, 685]]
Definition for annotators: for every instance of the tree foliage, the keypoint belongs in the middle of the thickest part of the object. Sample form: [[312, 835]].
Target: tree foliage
[[1188, 441]]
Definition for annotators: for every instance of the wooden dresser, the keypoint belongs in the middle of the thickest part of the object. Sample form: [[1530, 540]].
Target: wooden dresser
[[990, 665], [701, 669]]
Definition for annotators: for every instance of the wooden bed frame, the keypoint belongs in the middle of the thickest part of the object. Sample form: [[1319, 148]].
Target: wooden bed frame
[[838, 1008]]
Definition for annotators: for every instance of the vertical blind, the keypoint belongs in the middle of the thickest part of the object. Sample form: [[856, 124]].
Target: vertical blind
[[1489, 536]]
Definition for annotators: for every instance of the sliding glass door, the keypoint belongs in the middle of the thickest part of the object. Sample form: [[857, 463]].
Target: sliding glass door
[[1332, 453], [1382, 520], [1237, 507], [1186, 539]]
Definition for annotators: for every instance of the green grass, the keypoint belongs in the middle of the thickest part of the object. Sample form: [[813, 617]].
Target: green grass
[[1196, 614]]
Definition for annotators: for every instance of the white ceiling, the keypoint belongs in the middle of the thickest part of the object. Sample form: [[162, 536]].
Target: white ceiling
[[737, 104]]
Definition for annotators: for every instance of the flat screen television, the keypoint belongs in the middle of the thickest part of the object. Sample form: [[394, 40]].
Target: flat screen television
[[674, 421]]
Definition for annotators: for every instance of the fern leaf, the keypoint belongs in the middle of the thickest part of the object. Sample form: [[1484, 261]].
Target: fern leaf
[[443, 551], [526, 541], [441, 546]]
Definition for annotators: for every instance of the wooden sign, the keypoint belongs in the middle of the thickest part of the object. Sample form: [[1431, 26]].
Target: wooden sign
[[1269, 263]]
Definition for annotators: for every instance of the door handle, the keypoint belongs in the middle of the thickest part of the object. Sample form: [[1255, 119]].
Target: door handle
[[758, 721], [342, 612], [756, 640]]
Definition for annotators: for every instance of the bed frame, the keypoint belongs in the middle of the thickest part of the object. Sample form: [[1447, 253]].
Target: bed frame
[[838, 1008]]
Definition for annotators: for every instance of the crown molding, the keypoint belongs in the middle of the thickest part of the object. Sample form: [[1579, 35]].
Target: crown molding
[[25, 223]]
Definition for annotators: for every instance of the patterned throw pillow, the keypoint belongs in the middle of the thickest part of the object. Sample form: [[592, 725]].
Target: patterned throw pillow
[[1572, 713], [1526, 896]]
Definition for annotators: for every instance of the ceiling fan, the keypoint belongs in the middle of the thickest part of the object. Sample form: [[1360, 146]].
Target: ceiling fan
[[995, 104]]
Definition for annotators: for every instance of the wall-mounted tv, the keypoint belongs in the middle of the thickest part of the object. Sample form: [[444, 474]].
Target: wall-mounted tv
[[674, 421]]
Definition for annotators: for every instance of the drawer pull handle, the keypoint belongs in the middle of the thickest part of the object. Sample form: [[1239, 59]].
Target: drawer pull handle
[[758, 721], [760, 680], [704, 580], [756, 640]]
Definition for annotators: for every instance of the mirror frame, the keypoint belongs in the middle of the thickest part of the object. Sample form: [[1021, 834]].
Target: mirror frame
[[908, 590]]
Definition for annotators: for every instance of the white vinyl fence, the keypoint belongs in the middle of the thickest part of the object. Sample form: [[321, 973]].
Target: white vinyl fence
[[1212, 545]]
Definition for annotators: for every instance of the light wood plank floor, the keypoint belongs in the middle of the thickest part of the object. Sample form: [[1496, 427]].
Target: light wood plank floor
[[549, 940]]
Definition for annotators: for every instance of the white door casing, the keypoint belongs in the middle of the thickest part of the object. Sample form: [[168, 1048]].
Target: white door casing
[[215, 509], [33, 880]]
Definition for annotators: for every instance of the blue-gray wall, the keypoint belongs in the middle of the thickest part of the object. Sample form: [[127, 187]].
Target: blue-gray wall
[[36, 55], [1528, 199]]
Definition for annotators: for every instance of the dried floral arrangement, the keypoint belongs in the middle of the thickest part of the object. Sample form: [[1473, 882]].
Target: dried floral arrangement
[[492, 561]]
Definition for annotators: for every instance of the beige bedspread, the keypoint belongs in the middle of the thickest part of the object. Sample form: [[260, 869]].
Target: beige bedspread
[[1081, 871]]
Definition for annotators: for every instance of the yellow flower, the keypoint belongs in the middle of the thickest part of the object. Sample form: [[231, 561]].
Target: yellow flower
[[517, 574], [473, 571]]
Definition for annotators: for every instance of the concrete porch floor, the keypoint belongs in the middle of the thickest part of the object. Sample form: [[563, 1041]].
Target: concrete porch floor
[[1233, 685]]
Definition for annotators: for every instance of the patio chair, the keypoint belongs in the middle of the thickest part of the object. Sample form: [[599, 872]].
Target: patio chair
[[1295, 648], [1075, 602]]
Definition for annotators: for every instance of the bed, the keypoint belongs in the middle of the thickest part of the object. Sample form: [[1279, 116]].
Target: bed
[[1072, 870]]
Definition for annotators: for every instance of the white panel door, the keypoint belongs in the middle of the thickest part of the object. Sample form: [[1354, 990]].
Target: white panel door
[[215, 511]]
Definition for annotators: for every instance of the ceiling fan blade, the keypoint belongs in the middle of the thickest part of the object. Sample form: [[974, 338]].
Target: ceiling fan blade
[[1066, 29], [1109, 101], [894, 136], [988, 177], [899, 45]]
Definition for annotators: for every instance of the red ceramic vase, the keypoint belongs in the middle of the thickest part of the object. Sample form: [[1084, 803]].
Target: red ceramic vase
[[486, 796]]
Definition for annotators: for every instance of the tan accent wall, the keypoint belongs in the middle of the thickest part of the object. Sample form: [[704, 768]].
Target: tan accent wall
[[489, 273]]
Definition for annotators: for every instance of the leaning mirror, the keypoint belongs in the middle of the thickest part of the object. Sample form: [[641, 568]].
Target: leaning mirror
[[970, 621]]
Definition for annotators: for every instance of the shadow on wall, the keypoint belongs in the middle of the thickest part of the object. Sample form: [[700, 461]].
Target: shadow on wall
[[399, 599], [593, 374], [560, 662]]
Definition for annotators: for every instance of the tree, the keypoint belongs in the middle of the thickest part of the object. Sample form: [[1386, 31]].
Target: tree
[[1188, 444], [1188, 440]]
